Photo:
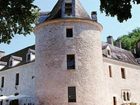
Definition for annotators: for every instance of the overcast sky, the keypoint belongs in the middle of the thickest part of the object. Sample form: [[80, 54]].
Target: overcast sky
[[111, 25]]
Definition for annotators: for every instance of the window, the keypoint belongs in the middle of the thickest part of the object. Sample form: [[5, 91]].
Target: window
[[1, 102], [71, 94], [28, 57], [123, 73], [110, 71], [17, 79], [69, 32], [68, 8], [10, 63], [114, 101], [2, 82], [126, 95], [108, 52], [70, 61]]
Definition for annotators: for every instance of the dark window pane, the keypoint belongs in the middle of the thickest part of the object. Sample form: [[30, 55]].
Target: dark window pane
[[128, 96], [108, 52], [10, 63], [124, 96], [69, 32], [68, 9], [2, 82], [17, 79], [1, 102], [28, 57], [110, 71], [123, 73], [114, 101], [70, 61], [71, 94]]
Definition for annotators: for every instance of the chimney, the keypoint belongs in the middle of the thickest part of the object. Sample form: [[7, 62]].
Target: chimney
[[94, 15], [118, 44], [2, 53], [110, 40]]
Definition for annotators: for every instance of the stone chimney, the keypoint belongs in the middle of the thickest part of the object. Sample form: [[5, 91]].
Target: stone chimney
[[2, 53], [110, 40], [94, 15], [138, 49], [118, 44]]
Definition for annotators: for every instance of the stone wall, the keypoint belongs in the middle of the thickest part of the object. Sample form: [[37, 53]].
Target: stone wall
[[26, 80], [52, 46], [116, 84]]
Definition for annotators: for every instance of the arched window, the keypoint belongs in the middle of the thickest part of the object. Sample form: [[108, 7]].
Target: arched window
[[128, 96], [124, 96]]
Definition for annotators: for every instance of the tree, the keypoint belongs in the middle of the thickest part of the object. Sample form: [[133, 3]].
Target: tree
[[16, 17], [130, 41], [119, 8]]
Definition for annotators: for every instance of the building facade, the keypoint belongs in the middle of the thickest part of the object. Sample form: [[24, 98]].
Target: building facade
[[69, 64]]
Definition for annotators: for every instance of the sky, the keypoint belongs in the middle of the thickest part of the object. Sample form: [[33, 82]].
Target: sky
[[110, 24]]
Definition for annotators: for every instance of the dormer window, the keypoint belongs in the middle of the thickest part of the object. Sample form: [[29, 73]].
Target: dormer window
[[68, 7], [14, 60], [10, 63], [2, 65], [30, 55], [108, 51]]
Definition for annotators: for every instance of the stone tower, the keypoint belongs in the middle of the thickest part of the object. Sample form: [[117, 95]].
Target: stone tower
[[69, 57]]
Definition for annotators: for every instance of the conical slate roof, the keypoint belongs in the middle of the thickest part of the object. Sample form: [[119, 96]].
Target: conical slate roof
[[59, 8], [79, 11]]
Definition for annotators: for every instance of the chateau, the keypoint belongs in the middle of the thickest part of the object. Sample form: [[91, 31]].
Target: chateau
[[69, 65]]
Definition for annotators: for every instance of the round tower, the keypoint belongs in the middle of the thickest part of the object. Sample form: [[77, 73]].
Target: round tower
[[69, 59]]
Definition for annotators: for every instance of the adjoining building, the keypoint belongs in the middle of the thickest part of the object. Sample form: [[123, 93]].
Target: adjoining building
[[69, 65]]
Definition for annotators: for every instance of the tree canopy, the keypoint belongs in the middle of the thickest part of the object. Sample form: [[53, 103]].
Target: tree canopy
[[130, 41], [119, 8], [16, 17]]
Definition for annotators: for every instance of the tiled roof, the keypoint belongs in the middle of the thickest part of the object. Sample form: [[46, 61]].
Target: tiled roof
[[43, 16], [16, 58], [20, 55], [119, 54]]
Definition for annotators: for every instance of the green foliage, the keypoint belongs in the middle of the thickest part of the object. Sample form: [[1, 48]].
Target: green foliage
[[119, 8], [16, 17], [129, 41]]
